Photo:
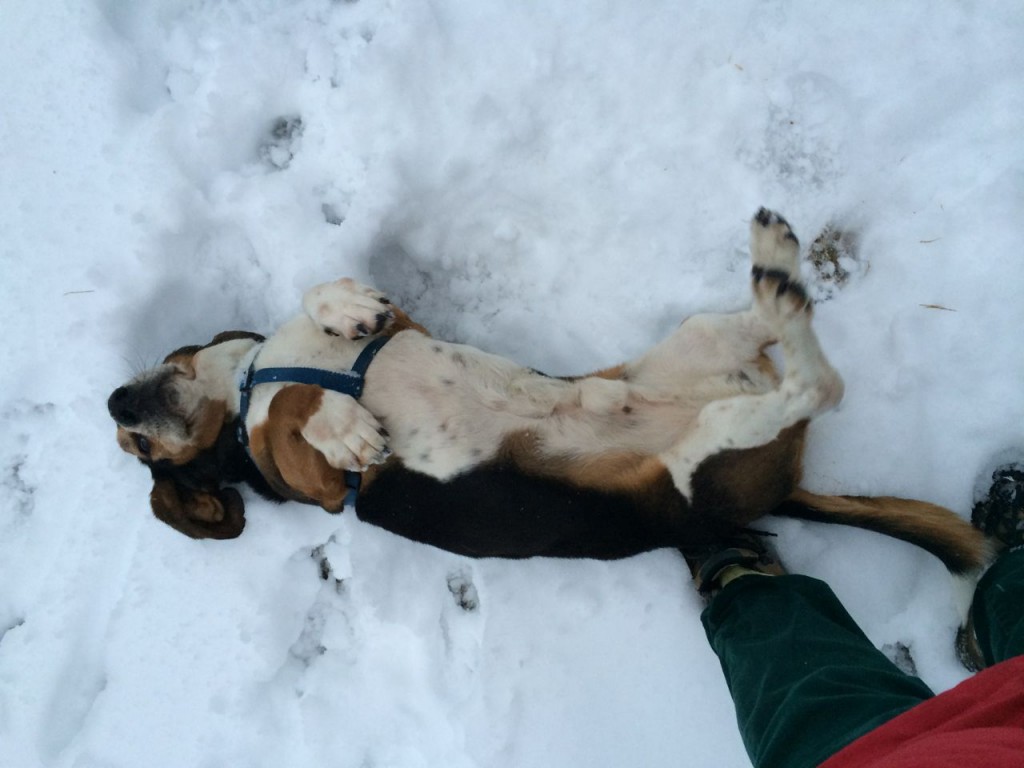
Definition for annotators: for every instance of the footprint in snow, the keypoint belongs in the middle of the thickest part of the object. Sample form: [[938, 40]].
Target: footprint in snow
[[462, 628], [460, 584]]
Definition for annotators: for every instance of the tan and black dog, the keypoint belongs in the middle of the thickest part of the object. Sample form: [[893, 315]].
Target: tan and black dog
[[475, 454]]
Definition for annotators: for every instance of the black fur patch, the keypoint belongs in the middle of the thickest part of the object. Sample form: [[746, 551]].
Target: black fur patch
[[496, 510], [225, 462]]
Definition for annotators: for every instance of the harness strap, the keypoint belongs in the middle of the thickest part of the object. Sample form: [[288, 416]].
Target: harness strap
[[345, 382], [348, 382]]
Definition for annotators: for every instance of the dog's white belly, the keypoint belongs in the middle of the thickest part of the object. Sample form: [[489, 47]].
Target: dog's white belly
[[449, 407]]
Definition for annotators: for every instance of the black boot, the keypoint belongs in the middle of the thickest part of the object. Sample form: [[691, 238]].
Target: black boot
[[1000, 516], [747, 553]]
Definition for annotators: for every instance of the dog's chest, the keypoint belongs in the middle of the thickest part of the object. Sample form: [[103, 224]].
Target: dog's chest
[[299, 344], [449, 407]]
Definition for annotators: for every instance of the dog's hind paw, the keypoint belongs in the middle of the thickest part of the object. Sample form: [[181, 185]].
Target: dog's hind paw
[[347, 308], [772, 242], [775, 252]]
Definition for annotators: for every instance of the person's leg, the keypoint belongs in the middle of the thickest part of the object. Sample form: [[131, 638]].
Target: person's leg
[[805, 680], [998, 609], [995, 627]]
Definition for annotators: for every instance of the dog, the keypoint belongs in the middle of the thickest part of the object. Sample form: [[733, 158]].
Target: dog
[[684, 447]]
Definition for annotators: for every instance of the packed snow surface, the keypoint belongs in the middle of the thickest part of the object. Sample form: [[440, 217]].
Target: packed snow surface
[[559, 182]]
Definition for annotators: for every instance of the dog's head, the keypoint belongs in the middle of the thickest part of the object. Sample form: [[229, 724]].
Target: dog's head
[[179, 419]]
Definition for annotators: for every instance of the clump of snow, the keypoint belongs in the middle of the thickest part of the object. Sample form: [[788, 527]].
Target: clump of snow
[[560, 183]]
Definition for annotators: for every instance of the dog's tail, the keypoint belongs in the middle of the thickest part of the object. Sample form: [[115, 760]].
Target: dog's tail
[[962, 548]]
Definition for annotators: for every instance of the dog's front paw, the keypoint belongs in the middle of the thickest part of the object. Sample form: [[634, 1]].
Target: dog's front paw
[[348, 435], [347, 308]]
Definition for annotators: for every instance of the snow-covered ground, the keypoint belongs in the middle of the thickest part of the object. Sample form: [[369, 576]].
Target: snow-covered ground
[[557, 182]]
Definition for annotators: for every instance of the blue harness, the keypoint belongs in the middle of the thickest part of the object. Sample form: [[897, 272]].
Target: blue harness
[[347, 383]]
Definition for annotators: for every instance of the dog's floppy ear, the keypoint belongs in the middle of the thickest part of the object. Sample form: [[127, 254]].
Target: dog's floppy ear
[[233, 335], [216, 514], [189, 350]]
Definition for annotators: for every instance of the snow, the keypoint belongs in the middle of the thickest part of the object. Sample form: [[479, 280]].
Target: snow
[[556, 182]]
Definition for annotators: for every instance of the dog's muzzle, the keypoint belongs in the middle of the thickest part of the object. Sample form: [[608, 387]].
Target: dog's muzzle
[[141, 402], [124, 408]]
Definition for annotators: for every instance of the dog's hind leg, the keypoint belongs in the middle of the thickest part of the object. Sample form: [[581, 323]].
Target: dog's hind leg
[[809, 385]]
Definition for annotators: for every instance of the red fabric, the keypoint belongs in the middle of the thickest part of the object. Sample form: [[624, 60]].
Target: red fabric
[[978, 723]]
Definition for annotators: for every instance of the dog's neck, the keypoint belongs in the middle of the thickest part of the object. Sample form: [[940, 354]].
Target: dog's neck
[[218, 367], [242, 372]]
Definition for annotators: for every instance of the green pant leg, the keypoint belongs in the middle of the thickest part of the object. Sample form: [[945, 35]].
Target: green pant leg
[[998, 609], [805, 680]]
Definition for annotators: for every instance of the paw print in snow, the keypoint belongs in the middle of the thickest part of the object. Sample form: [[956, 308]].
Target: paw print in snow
[[282, 144]]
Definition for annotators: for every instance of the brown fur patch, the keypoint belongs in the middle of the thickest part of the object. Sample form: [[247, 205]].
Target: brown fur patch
[[403, 322], [126, 442], [197, 514], [292, 466], [616, 373], [613, 471], [205, 429], [743, 485]]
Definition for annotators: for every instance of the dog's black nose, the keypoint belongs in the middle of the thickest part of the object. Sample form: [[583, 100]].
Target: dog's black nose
[[123, 408]]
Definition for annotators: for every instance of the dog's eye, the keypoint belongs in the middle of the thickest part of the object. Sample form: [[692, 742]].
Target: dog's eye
[[142, 444]]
